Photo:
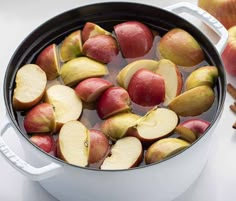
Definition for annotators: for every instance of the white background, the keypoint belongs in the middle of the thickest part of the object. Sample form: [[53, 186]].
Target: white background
[[17, 19]]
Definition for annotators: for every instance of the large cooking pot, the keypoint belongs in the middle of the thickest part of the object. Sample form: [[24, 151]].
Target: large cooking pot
[[161, 181]]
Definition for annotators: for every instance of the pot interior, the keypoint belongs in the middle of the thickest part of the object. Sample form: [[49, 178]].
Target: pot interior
[[106, 15]]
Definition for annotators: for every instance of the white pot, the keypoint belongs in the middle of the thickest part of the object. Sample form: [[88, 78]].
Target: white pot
[[163, 181]]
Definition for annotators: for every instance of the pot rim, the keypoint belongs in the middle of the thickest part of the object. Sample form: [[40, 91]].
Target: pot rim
[[147, 6]]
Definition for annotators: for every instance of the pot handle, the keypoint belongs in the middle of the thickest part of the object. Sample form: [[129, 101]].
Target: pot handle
[[33, 173], [204, 16]]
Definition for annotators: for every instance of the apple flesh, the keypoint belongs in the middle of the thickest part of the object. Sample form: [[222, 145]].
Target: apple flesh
[[146, 88], [72, 143], [228, 55], [164, 148], [198, 126], [113, 101], [117, 126], [186, 133], [193, 102], [135, 38], [156, 124], [206, 75], [102, 48], [40, 119], [47, 60], [68, 106], [91, 29], [45, 142], [81, 68], [125, 153], [89, 90], [98, 146], [180, 47], [215, 8], [173, 79], [71, 46], [124, 76], [26, 94]]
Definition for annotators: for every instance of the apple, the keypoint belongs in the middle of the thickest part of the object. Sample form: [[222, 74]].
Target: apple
[[89, 90], [81, 68], [125, 153], [102, 48], [228, 55], [172, 77], [198, 126], [47, 60], [31, 83], [45, 142], [135, 38], [114, 100], [206, 75], [117, 126], [180, 47], [71, 46], [40, 119], [68, 106], [91, 29], [164, 148], [98, 146], [124, 76], [224, 11], [186, 133], [156, 124], [193, 102], [72, 145], [146, 88]]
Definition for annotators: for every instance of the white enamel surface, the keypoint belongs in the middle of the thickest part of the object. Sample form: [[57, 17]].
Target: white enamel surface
[[216, 182]]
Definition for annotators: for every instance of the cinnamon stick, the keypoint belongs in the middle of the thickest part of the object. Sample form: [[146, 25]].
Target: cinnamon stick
[[231, 90], [233, 108], [234, 125]]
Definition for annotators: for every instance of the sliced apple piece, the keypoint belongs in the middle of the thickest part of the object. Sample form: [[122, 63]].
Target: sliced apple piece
[[126, 153], [206, 75], [186, 133], [164, 148], [68, 106], [47, 60], [124, 76], [81, 68], [117, 126], [173, 79], [72, 143], [71, 46], [193, 102], [98, 146], [40, 119], [31, 83], [156, 124]]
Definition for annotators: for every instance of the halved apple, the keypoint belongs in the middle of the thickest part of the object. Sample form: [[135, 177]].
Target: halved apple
[[31, 83], [67, 104], [126, 153], [71, 46], [164, 148], [156, 124], [47, 60], [81, 68], [72, 143]]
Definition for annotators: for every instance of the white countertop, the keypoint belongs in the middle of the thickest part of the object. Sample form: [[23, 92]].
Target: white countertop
[[17, 19]]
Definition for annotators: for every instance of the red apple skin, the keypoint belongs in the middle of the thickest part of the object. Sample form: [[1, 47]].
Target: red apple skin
[[228, 55], [47, 60], [98, 146], [135, 38], [146, 88], [113, 101], [89, 90], [102, 48], [45, 142], [40, 119], [198, 126]]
